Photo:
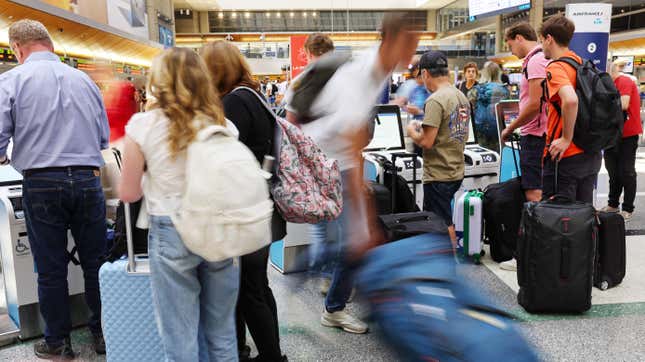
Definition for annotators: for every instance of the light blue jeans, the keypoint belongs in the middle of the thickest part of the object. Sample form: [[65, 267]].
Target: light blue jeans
[[194, 300]]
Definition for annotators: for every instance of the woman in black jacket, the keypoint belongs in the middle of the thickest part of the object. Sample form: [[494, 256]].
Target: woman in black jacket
[[256, 306]]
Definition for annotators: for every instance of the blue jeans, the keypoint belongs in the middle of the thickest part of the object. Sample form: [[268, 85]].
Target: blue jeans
[[55, 201], [342, 278], [194, 299], [322, 253]]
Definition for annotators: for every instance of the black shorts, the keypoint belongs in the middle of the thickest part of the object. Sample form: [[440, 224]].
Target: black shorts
[[437, 197], [531, 155]]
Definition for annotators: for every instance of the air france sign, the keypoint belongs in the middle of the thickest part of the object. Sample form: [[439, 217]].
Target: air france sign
[[593, 24]]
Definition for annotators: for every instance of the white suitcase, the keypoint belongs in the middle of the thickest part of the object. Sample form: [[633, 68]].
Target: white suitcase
[[468, 219]]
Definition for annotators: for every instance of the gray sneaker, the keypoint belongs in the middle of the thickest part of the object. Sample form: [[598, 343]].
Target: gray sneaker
[[344, 320], [626, 215]]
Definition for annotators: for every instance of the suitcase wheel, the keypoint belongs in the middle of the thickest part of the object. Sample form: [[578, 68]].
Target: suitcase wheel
[[604, 284]]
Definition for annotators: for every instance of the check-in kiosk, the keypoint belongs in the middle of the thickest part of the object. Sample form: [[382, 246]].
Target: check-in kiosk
[[506, 112], [388, 139], [22, 318]]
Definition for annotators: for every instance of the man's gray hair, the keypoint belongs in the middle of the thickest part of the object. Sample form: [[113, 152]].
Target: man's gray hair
[[26, 31]]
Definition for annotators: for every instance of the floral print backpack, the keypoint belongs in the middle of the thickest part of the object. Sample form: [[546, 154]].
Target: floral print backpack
[[306, 186]]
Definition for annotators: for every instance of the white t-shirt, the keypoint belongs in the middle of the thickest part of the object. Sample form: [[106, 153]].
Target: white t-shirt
[[346, 102], [164, 181]]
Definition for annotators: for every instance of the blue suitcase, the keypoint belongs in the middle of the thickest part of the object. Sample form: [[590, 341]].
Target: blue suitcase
[[129, 326], [426, 313]]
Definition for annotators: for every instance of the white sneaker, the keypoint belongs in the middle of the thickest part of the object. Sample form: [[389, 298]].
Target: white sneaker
[[609, 209], [510, 265], [626, 215], [344, 320]]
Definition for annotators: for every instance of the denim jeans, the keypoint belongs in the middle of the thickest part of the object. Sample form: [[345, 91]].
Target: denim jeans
[[194, 300], [322, 252], [342, 278], [55, 201]]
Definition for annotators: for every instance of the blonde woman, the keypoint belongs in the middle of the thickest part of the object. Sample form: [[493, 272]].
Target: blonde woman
[[191, 296], [483, 98]]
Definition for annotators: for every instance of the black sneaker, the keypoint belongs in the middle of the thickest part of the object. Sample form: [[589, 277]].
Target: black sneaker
[[259, 359], [99, 343], [62, 352]]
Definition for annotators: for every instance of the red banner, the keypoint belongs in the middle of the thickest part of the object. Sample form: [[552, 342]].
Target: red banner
[[298, 56]]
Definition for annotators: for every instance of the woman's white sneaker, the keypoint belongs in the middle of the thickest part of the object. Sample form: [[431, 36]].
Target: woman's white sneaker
[[344, 320]]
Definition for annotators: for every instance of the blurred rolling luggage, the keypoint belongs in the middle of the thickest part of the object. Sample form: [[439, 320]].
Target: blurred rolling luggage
[[556, 255], [469, 224], [502, 205], [426, 312], [129, 325], [610, 260]]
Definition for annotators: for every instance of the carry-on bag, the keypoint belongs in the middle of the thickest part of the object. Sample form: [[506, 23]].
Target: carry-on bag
[[502, 204], [556, 255], [469, 225], [403, 225], [382, 197], [611, 253], [426, 312], [129, 326]]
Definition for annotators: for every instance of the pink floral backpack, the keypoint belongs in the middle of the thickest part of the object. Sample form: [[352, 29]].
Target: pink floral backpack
[[306, 186]]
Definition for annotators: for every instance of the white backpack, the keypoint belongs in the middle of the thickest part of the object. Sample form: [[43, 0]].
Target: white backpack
[[226, 209]]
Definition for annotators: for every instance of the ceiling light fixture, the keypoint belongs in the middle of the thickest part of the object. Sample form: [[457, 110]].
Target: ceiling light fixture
[[268, 15], [278, 15], [313, 14], [220, 15], [304, 14], [234, 15], [291, 14], [247, 15]]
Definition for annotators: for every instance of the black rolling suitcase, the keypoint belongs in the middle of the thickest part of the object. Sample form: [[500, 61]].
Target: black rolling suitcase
[[502, 208], [399, 226], [611, 254], [382, 197], [556, 255]]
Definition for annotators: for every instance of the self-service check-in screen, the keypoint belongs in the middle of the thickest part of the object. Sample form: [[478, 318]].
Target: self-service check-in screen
[[387, 132]]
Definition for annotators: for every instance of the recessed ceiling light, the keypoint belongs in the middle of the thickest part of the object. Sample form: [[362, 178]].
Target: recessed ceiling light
[[247, 15], [278, 15], [313, 14], [291, 14], [234, 15], [220, 15], [268, 15], [304, 14]]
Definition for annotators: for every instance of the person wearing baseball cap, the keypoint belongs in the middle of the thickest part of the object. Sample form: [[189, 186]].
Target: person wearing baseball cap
[[442, 134]]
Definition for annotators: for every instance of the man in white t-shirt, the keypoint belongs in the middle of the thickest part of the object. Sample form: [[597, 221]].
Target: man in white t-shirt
[[346, 104], [522, 39]]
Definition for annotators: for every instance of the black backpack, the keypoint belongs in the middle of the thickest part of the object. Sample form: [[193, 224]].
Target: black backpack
[[600, 117], [308, 85]]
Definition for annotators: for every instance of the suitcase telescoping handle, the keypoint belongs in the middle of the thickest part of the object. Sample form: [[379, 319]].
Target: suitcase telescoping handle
[[394, 156], [132, 263]]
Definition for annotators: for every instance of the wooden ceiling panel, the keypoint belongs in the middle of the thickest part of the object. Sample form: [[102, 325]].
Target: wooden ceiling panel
[[75, 39]]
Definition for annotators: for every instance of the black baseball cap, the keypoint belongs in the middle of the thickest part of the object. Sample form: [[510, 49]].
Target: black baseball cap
[[433, 59]]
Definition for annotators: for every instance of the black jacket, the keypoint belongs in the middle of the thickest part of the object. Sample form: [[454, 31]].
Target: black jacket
[[257, 131]]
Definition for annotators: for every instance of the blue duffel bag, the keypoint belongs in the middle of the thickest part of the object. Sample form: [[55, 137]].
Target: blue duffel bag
[[426, 313]]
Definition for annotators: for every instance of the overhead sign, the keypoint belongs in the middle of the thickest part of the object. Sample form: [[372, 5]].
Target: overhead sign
[[591, 38], [482, 8]]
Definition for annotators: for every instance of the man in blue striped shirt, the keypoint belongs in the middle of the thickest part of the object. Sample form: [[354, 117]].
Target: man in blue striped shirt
[[57, 120]]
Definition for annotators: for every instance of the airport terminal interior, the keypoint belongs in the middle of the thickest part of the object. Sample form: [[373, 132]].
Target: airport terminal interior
[[115, 42]]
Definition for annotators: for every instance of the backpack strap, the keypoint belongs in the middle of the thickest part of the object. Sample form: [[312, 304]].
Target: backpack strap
[[525, 69]]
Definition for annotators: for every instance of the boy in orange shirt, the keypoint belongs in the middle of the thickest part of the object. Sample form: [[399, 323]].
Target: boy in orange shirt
[[577, 171]]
